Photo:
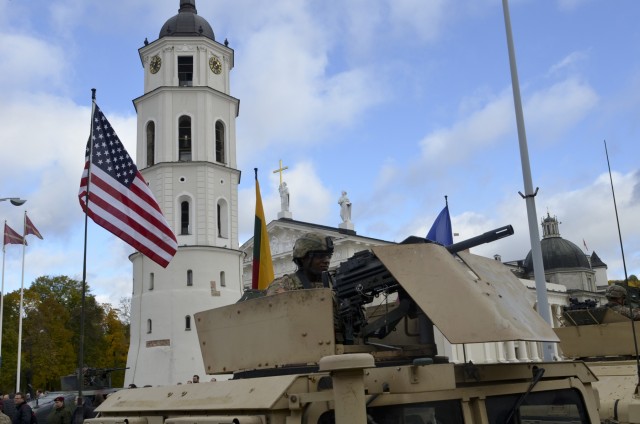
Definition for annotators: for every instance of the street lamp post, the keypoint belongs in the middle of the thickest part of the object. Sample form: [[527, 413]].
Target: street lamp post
[[15, 201]]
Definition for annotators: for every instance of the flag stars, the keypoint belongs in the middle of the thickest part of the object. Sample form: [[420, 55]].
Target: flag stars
[[109, 154]]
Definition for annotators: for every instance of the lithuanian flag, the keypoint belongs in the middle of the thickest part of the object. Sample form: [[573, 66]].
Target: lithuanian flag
[[262, 271]]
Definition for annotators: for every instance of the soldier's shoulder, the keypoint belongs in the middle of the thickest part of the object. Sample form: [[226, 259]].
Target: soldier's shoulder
[[285, 283]]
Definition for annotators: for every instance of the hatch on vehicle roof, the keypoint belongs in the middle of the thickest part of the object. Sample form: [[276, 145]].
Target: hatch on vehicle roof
[[479, 300]]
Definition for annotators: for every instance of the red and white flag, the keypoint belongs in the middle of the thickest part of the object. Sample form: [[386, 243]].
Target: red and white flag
[[11, 237], [29, 228], [119, 199]]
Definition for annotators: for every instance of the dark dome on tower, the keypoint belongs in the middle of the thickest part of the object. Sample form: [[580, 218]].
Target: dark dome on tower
[[557, 253], [187, 23]]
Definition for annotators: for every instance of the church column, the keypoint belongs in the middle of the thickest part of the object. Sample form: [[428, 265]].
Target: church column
[[510, 351], [489, 352], [533, 351], [500, 352], [523, 355]]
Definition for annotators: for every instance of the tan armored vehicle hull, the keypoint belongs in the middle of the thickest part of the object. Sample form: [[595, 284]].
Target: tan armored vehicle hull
[[604, 339], [291, 362]]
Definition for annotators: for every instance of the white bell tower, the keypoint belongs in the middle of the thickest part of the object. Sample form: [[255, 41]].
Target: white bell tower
[[186, 151]]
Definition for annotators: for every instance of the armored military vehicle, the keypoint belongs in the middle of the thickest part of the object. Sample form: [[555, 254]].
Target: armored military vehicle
[[327, 356], [607, 342]]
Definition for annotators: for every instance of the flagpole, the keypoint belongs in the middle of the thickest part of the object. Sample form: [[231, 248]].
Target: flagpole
[[80, 376], [24, 242], [4, 250], [529, 196]]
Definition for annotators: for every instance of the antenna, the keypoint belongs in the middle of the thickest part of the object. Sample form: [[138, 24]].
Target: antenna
[[624, 265]]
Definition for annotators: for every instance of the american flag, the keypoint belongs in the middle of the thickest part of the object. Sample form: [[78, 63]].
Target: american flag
[[119, 199]]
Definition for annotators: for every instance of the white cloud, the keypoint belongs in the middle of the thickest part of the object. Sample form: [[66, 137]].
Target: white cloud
[[35, 64], [550, 112], [569, 62], [310, 200], [291, 99], [481, 128]]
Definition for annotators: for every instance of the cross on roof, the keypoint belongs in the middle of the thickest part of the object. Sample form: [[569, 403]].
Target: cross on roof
[[280, 170]]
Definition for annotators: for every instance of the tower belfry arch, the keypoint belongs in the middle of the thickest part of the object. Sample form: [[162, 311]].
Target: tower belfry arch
[[186, 150]]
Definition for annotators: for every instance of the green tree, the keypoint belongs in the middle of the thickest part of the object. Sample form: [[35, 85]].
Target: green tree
[[632, 281], [117, 345], [51, 334]]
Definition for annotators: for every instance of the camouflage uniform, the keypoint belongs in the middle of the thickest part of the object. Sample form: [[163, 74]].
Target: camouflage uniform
[[614, 292], [290, 282], [633, 313]]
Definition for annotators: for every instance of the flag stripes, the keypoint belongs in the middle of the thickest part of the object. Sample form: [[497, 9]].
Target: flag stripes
[[29, 228], [11, 237], [120, 200], [262, 266]]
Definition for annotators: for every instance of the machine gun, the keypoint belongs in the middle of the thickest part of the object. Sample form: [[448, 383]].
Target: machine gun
[[576, 305], [363, 277], [92, 378]]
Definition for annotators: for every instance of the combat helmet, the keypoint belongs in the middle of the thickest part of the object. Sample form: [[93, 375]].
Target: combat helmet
[[312, 242], [615, 291]]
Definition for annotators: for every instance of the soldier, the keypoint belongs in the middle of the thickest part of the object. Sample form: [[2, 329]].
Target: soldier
[[312, 255], [616, 295], [60, 413]]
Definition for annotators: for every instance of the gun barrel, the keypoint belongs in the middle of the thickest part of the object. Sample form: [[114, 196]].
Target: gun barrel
[[487, 237]]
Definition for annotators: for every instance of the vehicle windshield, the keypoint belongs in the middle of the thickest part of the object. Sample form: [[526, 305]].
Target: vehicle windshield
[[564, 406], [553, 406], [444, 412]]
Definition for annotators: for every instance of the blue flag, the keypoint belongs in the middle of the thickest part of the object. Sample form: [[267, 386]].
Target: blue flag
[[440, 231]]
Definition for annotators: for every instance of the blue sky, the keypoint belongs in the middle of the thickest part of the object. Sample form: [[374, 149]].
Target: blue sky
[[397, 102]]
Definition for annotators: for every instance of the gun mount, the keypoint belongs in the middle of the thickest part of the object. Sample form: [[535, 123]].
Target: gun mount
[[92, 379], [363, 277], [469, 298]]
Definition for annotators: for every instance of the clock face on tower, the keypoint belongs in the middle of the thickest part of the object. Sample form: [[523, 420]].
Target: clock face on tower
[[215, 65], [155, 64]]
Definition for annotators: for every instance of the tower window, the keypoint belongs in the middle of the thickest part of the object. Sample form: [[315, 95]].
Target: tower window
[[149, 328], [151, 280], [189, 277], [185, 71], [184, 138], [222, 219], [184, 218], [223, 282], [187, 323], [220, 142], [151, 143]]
